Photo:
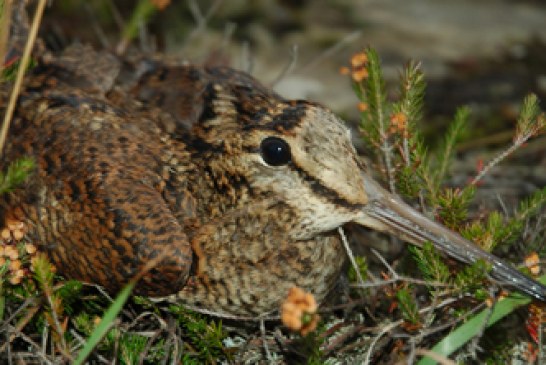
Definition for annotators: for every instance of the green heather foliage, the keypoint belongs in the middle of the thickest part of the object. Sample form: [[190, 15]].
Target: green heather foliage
[[415, 171], [430, 263], [16, 173], [9, 73], [408, 306], [62, 316], [205, 336], [362, 265]]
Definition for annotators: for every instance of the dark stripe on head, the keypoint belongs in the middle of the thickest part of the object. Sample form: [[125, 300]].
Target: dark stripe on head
[[286, 120], [318, 188]]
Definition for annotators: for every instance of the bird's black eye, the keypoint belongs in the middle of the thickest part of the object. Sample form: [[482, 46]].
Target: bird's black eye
[[275, 151]]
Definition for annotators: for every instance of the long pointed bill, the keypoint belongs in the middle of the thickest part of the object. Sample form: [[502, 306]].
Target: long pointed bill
[[385, 212]]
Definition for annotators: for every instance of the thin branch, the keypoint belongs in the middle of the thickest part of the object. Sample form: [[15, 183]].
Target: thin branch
[[95, 25], [264, 341], [21, 73], [350, 38], [359, 278], [27, 339], [396, 278], [201, 20], [118, 19], [434, 356], [494, 162], [289, 67], [473, 346], [382, 333], [399, 278], [5, 19], [81, 341], [247, 61], [385, 263]]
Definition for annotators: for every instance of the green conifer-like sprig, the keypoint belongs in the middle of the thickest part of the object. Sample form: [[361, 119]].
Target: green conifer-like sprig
[[408, 306], [447, 150], [374, 119], [409, 109], [430, 263], [531, 122], [16, 173]]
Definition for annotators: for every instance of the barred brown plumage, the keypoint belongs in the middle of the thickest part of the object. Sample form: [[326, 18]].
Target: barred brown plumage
[[158, 161]]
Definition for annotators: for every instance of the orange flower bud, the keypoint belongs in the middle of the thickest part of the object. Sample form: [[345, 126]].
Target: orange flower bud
[[298, 311], [359, 59]]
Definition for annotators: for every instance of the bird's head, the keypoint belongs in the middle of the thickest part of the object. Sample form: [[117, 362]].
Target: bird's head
[[299, 155]]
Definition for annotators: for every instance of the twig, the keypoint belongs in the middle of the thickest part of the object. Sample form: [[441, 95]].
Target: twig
[[383, 332], [229, 30], [331, 51], [359, 278], [81, 340], [340, 339], [247, 61], [385, 263], [397, 279], [161, 321], [201, 20], [118, 19], [57, 323], [264, 341], [97, 29], [27, 339], [45, 338], [5, 19], [502, 204], [386, 148], [411, 356], [434, 356], [495, 161], [393, 325], [21, 72], [144, 38], [473, 346], [442, 327], [196, 12], [148, 346], [289, 67], [26, 303], [20, 325]]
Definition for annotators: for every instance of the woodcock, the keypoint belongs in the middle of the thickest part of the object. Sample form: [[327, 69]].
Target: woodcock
[[236, 190]]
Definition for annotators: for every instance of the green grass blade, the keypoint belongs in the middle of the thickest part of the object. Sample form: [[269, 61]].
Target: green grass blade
[[105, 324], [2, 306], [470, 329]]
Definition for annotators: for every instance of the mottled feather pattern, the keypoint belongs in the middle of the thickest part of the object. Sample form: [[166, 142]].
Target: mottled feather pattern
[[169, 164]]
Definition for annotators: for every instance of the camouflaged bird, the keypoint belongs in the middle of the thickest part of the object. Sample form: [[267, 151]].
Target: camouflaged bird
[[235, 191]]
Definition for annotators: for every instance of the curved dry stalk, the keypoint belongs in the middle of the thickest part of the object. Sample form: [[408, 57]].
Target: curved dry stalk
[[21, 72]]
